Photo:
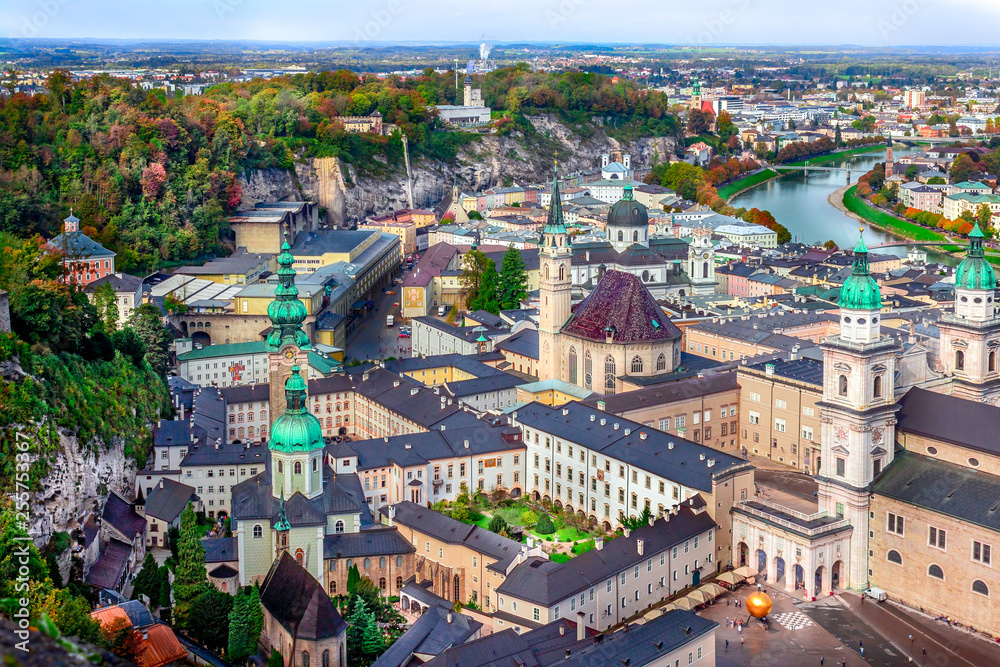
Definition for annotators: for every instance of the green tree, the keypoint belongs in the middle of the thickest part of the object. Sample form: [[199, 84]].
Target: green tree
[[698, 121], [208, 619], [128, 342], [275, 659], [964, 169], [191, 578], [17, 550], [474, 264], [489, 288], [545, 525], [163, 600], [475, 215], [513, 279], [72, 616], [837, 137], [353, 577], [912, 171], [529, 518], [936, 180], [983, 215], [148, 324], [364, 639], [106, 303], [634, 522], [499, 525], [147, 582]]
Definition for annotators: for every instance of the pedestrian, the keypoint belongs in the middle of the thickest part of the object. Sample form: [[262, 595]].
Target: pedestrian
[[821, 659], [862, 651], [727, 644], [861, 645], [741, 641], [862, 598], [727, 602], [925, 652], [911, 639]]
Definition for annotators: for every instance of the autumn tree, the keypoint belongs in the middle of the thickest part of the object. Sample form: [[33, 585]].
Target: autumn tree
[[122, 640], [474, 265], [698, 122]]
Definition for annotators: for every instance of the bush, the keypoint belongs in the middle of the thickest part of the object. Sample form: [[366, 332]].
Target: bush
[[529, 518], [545, 525], [499, 525], [275, 660]]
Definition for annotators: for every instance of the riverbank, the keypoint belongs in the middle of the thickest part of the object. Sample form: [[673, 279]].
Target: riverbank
[[741, 185]]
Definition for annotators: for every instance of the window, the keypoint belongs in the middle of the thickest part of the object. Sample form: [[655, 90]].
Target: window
[[959, 360], [894, 557], [258, 531], [661, 362], [935, 571], [936, 537], [779, 425], [610, 377], [981, 552], [535, 614], [877, 387], [894, 524], [841, 467], [842, 385], [809, 412], [754, 417], [680, 421], [780, 403], [807, 433], [636, 364], [572, 365], [980, 587]]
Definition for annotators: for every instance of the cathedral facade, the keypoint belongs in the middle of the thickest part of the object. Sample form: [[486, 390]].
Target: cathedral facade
[[617, 331]]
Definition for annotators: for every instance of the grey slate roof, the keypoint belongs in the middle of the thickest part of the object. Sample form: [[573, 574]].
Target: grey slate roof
[[118, 512], [452, 531], [247, 393], [220, 549], [500, 649], [429, 635], [802, 370], [950, 419], [174, 433], [665, 393], [374, 542], [483, 385], [225, 454], [426, 447], [546, 582], [168, 499], [297, 601], [662, 454], [107, 571], [524, 343], [957, 491], [77, 245], [120, 282]]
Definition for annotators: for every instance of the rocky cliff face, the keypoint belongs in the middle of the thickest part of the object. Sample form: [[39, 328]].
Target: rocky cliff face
[[76, 485], [349, 197]]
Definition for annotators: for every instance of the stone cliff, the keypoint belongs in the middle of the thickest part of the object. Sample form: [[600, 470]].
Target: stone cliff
[[349, 196]]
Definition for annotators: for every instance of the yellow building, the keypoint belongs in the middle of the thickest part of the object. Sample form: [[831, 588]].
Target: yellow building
[[240, 268], [551, 392], [317, 249], [254, 299], [406, 231]]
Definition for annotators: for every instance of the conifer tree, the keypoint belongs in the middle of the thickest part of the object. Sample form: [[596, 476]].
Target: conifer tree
[[191, 578], [513, 280]]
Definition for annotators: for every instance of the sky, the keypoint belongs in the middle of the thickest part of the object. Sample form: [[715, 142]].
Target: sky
[[367, 22]]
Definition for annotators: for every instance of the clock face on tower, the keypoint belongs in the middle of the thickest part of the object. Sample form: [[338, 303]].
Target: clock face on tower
[[841, 434], [877, 436], [288, 354], [705, 256]]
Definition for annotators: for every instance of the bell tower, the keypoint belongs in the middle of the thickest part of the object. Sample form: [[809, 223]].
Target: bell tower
[[970, 336], [287, 344], [701, 262], [858, 411], [554, 288]]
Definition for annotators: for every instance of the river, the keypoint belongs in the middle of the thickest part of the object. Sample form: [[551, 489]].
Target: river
[[802, 205]]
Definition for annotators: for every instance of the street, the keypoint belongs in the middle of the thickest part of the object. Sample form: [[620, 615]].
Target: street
[[365, 343]]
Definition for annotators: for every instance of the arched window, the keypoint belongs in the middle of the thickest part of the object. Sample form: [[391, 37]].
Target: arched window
[[258, 531], [572, 364], [661, 363], [281, 467], [645, 276], [368, 563], [980, 587], [338, 527], [935, 571], [621, 236], [338, 420], [637, 364], [588, 371], [991, 361], [381, 561], [704, 270], [297, 468], [305, 658], [877, 387], [562, 272], [842, 385], [894, 557], [457, 591], [635, 237], [546, 271], [610, 379], [326, 658], [381, 583], [399, 561], [350, 563], [338, 407], [959, 360], [263, 415], [399, 583], [333, 588], [329, 421]]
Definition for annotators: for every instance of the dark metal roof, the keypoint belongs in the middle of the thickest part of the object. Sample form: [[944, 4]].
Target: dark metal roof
[[220, 549], [666, 393], [297, 601], [118, 513], [524, 343], [547, 583], [168, 499], [621, 301], [107, 571], [247, 393], [431, 634], [225, 454], [374, 542], [803, 370], [950, 419], [452, 531], [957, 491], [500, 649], [223, 572]]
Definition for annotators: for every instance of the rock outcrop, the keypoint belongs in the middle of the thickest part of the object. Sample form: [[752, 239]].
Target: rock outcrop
[[349, 196]]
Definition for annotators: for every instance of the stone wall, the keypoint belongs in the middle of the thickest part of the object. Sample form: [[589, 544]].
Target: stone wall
[[4, 312]]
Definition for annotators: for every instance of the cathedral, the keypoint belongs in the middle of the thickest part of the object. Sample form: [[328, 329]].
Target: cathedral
[[618, 331]]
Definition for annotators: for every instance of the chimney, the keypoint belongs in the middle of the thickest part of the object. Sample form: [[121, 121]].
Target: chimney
[[652, 519], [562, 630], [392, 514], [567, 654], [161, 482], [216, 444], [769, 370], [639, 546], [395, 383], [599, 543], [627, 531], [794, 353], [465, 444], [601, 405], [581, 629], [451, 617], [385, 438], [182, 406]]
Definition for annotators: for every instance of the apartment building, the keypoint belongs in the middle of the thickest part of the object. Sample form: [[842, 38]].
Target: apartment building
[[780, 419]]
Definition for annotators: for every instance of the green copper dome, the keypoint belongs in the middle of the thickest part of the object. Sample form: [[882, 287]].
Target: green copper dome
[[287, 312], [296, 430], [974, 272], [860, 291], [627, 212]]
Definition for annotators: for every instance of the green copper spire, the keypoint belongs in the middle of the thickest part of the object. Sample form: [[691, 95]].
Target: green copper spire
[[974, 272], [287, 312], [282, 522], [860, 291], [296, 430], [555, 225]]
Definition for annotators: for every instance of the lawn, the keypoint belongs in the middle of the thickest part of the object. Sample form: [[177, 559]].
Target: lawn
[[839, 155], [730, 189], [559, 558], [910, 230]]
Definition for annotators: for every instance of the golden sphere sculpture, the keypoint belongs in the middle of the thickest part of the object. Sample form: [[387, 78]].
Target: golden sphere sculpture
[[758, 604]]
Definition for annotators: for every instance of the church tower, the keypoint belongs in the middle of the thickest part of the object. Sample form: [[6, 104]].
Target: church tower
[[287, 344], [554, 288], [296, 445], [858, 413], [701, 262], [970, 337], [888, 157], [696, 95], [281, 528]]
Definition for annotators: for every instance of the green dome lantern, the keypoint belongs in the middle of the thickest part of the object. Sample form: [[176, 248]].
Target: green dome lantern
[[860, 291], [287, 312], [974, 272], [296, 430], [554, 224]]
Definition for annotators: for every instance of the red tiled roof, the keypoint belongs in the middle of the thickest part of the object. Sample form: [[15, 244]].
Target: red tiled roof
[[622, 301]]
